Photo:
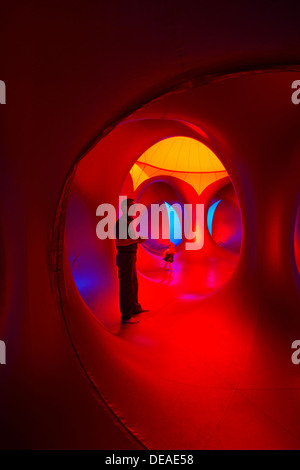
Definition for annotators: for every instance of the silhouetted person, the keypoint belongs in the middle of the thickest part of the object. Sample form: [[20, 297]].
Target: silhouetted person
[[126, 262]]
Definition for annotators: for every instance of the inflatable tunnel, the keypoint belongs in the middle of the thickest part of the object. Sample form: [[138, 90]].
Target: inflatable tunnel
[[167, 104]]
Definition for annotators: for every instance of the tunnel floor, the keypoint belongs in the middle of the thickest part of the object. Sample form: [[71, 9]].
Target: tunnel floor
[[177, 377], [192, 278]]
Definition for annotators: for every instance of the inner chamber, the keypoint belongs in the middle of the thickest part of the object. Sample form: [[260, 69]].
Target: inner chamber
[[172, 172]]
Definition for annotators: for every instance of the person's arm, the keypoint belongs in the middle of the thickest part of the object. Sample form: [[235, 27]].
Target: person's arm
[[128, 240]]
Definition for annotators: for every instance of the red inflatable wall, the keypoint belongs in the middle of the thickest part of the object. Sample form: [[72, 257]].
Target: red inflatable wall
[[89, 88]]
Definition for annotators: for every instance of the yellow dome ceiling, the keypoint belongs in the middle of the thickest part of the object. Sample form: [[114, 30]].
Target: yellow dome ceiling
[[181, 154], [181, 157]]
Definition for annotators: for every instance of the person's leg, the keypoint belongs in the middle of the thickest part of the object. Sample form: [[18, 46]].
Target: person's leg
[[136, 306], [124, 264]]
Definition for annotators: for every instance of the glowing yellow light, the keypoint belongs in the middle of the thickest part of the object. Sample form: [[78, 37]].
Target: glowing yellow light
[[180, 157]]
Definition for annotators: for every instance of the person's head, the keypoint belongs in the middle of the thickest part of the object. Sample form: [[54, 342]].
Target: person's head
[[171, 246], [125, 204]]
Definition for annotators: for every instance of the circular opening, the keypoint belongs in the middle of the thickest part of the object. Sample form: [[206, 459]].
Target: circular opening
[[182, 172], [224, 219]]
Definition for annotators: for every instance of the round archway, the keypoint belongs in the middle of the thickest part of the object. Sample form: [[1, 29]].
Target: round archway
[[174, 348], [179, 175]]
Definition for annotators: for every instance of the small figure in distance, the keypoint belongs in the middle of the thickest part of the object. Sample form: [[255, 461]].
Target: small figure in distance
[[168, 256], [126, 262]]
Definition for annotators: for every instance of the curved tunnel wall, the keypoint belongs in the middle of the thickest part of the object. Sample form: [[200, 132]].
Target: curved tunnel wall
[[75, 68], [225, 223], [92, 261], [235, 326]]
